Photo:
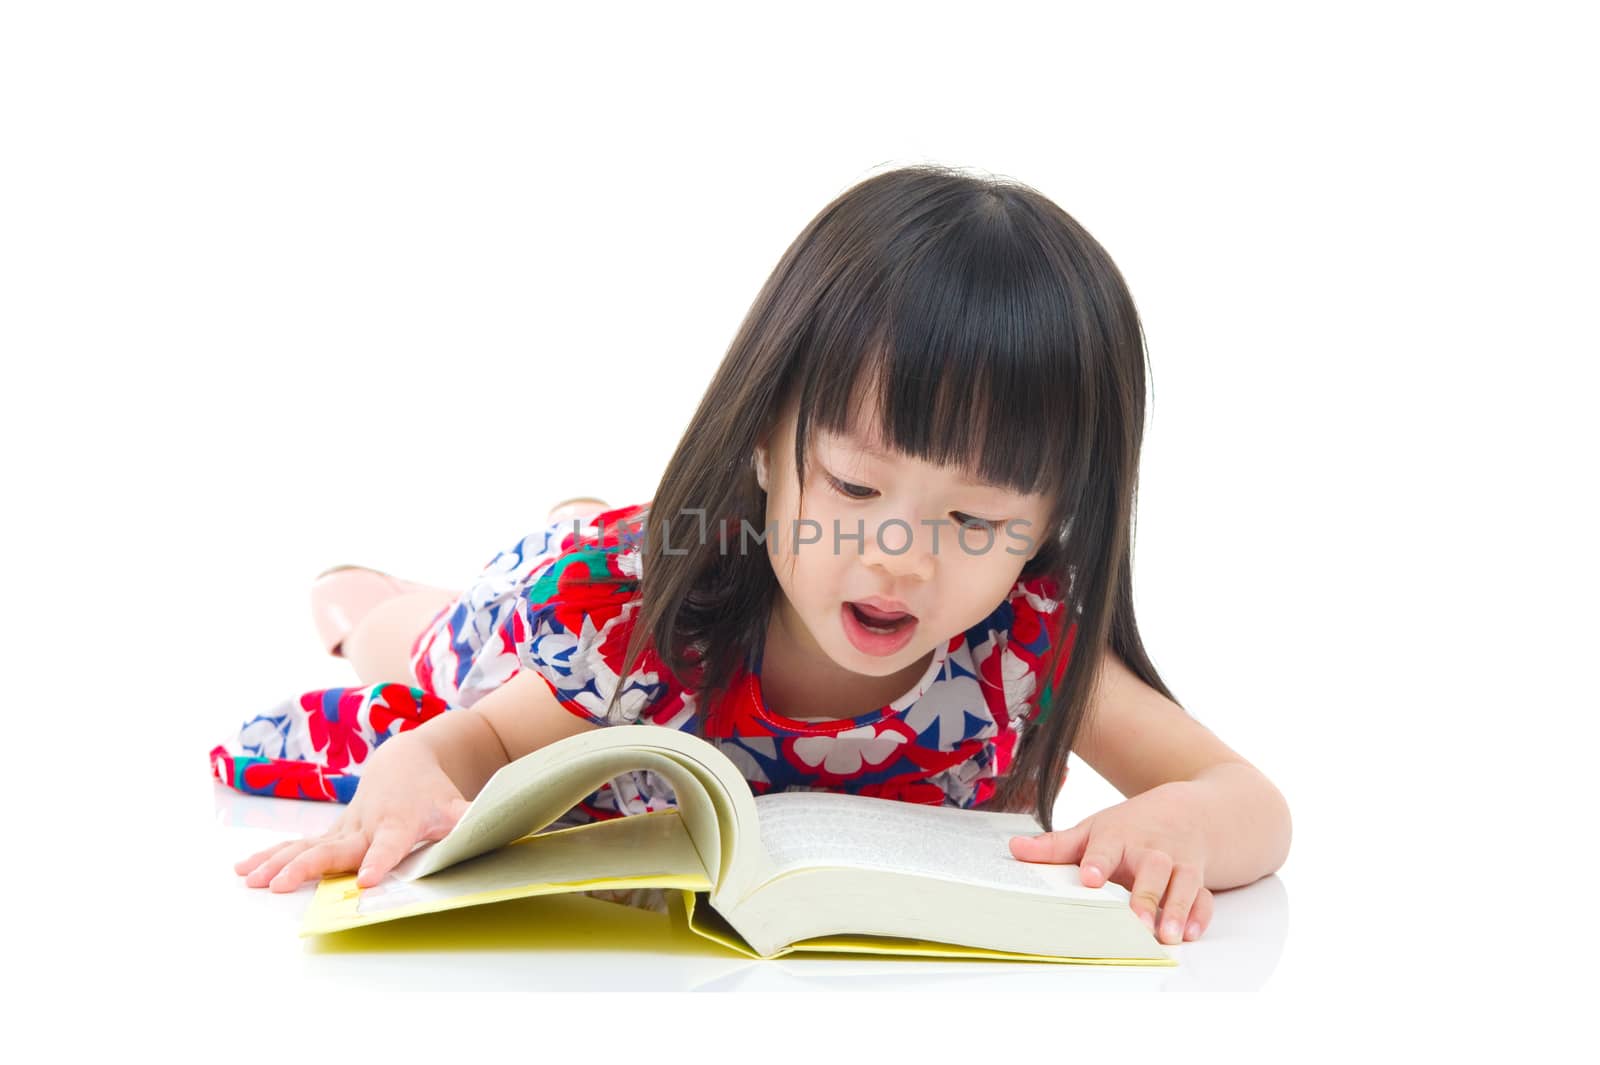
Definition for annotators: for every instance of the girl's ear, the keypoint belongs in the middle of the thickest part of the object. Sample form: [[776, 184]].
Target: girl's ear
[[759, 461]]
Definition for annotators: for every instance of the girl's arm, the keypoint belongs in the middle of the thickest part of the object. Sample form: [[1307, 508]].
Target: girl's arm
[[1139, 740], [1248, 823], [517, 718], [1198, 817]]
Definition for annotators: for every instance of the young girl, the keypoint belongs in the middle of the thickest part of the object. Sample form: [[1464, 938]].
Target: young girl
[[890, 556]]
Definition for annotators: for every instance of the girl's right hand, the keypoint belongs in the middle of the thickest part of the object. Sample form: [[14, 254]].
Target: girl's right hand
[[404, 796]]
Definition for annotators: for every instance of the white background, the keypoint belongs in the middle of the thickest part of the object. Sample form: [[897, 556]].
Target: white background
[[298, 284]]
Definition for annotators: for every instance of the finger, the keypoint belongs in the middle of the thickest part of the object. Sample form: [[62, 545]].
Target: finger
[[1062, 848], [1101, 856], [333, 855], [390, 843], [268, 869], [1200, 915], [1154, 869], [1187, 882], [244, 865]]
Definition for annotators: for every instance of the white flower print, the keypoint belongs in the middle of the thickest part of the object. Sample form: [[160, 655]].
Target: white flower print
[[1019, 682], [843, 753]]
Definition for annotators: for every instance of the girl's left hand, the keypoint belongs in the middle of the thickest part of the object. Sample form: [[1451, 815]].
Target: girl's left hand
[[1152, 844]]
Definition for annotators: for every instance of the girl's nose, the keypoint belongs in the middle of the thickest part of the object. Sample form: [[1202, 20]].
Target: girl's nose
[[899, 547]]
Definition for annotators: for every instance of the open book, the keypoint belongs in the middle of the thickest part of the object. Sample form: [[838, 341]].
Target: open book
[[790, 871]]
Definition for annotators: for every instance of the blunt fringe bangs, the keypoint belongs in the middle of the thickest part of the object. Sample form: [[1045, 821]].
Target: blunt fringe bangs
[[979, 327]]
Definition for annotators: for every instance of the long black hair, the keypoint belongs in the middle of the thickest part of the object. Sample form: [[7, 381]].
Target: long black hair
[[999, 337]]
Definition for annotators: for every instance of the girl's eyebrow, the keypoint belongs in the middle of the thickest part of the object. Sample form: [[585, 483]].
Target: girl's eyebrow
[[852, 444]]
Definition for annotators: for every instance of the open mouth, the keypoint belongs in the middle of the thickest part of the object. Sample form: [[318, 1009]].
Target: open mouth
[[878, 621]]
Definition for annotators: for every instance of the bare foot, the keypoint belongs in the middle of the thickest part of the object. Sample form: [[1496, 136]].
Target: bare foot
[[581, 508]]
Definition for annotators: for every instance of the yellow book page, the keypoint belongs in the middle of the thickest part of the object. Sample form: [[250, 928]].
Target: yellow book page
[[534, 925], [644, 850], [707, 922]]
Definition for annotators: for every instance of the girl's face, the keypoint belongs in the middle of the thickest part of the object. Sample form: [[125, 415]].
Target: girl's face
[[884, 526]]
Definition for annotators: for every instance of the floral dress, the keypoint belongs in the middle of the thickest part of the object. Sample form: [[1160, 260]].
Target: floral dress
[[561, 602]]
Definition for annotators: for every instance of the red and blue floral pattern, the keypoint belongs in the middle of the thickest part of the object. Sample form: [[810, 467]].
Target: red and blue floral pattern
[[561, 602]]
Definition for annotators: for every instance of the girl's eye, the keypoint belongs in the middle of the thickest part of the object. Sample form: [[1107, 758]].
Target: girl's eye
[[982, 523], [849, 490], [844, 488]]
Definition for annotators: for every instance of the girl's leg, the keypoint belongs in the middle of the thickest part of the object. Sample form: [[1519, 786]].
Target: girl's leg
[[379, 646]]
